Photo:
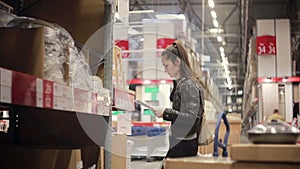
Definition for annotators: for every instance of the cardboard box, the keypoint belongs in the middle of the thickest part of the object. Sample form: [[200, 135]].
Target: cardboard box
[[223, 163], [90, 156], [209, 149], [14, 157], [266, 152], [239, 165], [119, 152], [234, 136], [83, 19], [198, 162], [22, 50]]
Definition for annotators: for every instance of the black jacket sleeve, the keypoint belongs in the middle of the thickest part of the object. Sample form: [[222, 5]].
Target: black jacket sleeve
[[186, 115]]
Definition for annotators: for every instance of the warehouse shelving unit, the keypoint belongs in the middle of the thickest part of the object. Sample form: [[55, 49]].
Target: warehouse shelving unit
[[32, 125], [36, 120]]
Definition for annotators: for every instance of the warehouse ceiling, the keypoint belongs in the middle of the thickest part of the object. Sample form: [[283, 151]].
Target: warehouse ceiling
[[236, 18]]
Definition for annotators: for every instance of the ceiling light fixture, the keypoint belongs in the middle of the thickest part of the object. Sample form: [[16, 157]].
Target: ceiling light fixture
[[141, 11], [216, 30], [170, 16], [219, 38], [216, 23], [211, 3], [213, 14], [222, 49], [222, 54]]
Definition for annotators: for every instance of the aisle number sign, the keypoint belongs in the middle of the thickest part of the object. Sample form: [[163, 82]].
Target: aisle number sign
[[266, 45]]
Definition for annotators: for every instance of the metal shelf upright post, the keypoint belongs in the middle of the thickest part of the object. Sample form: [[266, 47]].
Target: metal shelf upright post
[[108, 73]]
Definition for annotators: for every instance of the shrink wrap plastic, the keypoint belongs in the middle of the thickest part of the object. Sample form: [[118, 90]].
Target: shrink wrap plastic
[[59, 52]]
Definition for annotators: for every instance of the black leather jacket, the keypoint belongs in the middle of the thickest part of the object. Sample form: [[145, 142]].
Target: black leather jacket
[[186, 112]]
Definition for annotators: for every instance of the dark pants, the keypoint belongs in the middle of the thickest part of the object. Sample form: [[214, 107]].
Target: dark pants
[[182, 148]]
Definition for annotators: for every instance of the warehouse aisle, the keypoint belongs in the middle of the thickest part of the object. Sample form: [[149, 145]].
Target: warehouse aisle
[[143, 164]]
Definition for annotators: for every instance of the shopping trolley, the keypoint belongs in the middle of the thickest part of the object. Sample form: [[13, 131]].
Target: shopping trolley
[[221, 143]]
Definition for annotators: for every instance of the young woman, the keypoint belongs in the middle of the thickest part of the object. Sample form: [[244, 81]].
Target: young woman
[[186, 112]]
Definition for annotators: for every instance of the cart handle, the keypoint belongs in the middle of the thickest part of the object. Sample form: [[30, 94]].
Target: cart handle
[[218, 143]]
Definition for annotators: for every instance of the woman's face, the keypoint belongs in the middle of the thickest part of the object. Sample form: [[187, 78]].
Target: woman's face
[[173, 69]]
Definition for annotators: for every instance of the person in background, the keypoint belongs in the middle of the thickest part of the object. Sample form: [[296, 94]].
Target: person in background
[[276, 115], [295, 110], [186, 112]]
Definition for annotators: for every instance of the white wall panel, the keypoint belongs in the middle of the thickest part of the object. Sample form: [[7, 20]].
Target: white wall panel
[[288, 102], [124, 11], [120, 32], [149, 64], [268, 99], [283, 43], [165, 29], [266, 63]]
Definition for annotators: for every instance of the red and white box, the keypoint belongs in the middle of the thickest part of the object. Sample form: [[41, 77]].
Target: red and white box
[[81, 95], [47, 94], [23, 89], [63, 91], [82, 98], [62, 103], [39, 92], [94, 103], [80, 106]]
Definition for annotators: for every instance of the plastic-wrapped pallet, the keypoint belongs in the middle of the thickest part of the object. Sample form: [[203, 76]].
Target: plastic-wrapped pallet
[[63, 62]]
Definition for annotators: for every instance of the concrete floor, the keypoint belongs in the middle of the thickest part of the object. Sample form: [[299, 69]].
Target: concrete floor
[[156, 164], [143, 164]]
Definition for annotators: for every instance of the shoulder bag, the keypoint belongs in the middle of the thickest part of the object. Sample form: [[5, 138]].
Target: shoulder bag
[[205, 134]]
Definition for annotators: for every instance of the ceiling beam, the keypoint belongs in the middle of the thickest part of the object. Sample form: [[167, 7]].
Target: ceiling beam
[[198, 34], [189, 11], [230, 14]]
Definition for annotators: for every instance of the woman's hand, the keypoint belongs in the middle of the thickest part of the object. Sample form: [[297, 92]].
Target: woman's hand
[[159, 112]]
